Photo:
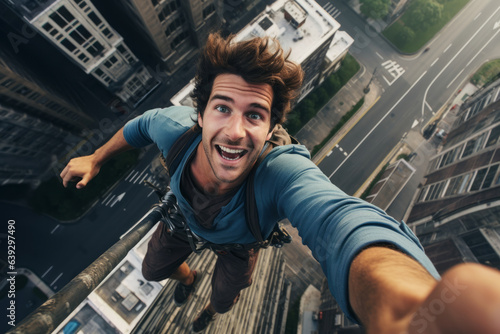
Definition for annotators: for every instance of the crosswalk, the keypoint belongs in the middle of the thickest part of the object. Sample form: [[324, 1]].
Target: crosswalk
[[332, 10], [134, 177]]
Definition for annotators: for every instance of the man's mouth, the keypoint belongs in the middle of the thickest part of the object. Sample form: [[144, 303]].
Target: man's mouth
[[230, 153]]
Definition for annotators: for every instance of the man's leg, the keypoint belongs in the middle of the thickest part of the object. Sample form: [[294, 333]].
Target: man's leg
[[165, 258], [232, 273]]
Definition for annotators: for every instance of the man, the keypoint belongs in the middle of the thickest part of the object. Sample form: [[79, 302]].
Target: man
[[375, 266]]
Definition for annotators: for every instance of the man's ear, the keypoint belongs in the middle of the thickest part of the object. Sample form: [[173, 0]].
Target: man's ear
[[200, 120], [270, 134]]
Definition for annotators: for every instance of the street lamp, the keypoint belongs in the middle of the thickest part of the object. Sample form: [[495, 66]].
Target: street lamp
[[366, 90]]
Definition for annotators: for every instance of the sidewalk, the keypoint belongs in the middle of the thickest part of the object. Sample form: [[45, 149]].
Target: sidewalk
[[320, 126]]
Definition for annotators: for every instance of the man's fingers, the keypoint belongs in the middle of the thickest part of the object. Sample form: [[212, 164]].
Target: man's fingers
[[83, 182]]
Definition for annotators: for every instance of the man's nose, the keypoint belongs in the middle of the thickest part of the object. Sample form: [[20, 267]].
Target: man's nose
[[236, 128]]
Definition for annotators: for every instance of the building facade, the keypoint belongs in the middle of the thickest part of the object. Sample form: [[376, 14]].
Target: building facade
[[459, 202], [78, 30], [175, 29], [36, 127]]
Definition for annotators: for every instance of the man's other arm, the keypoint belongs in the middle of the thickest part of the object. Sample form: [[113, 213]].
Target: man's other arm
[[392, 293], [87, 167]]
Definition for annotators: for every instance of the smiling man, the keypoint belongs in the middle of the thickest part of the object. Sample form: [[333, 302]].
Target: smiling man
[[376, 268]]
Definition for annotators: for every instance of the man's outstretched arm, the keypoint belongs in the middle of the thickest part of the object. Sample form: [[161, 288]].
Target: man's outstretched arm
[[87, 167], [392, 293]]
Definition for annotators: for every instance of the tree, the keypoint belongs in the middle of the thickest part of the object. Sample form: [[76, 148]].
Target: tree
[[375, 9], [423, 14], [406, 34]]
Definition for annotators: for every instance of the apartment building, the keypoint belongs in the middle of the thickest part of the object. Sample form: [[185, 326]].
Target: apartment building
[[457, 210], [78, 30], [175, 29], [36, 126]]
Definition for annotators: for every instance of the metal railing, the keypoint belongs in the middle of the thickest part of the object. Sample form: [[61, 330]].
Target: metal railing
[[54, 311]]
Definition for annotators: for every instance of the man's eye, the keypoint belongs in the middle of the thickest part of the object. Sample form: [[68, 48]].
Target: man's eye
[[222, 109], [255, 116]]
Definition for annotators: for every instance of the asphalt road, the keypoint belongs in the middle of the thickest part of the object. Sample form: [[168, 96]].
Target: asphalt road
[[414, 86]]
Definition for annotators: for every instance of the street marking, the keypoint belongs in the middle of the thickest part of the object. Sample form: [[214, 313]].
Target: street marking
[[329, 153], [455, 78], [110, 199], [54, 229], [344, 133], [132, 172], [415, 123], [376, 125], [394, 69], [106, 198], [45, 273], [470, 61], [117, 199], [137, 178], [496, 25], [434, 62], [449, 46], [378, 54], [58, 277], [428, 106], [455, 56], [152, 191], [479, 14]]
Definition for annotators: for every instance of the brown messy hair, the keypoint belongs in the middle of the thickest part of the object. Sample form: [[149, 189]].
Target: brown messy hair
[[257, 61]]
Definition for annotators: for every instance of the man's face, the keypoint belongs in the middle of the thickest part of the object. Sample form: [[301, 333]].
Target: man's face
[[235, 125]]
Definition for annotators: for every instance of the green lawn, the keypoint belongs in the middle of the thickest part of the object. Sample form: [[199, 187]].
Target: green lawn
[[488, 72], [450, 9]]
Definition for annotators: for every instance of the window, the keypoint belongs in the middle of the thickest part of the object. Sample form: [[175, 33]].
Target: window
[[83, 57], [168, 9], [95, 49], [94, 18], [493, 139], [99, 72], [80, 34], [178, 40], [47, 26], [474, 145], [58, 19], [68, 45], [154, 3], [208, 10], [110, 62], [107, 33], [478, 180], [489, 177], [174, 25]]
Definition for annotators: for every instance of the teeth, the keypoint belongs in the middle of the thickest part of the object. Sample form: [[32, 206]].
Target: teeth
[[230, 150]]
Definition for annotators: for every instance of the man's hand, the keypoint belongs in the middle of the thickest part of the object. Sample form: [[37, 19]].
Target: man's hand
[[392, 294], [82, 168], [466, 300]]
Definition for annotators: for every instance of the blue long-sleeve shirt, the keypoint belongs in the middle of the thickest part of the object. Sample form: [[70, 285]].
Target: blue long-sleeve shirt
[[335, 226]]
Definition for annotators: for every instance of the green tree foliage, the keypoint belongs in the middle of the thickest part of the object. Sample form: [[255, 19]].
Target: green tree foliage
[[376, 9], [423, 14], [405, 35]]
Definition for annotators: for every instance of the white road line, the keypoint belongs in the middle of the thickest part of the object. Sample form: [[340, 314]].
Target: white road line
[[106, 198], [455, 78], [329, 153], [428, 106], [455, 56], [449, 46], [345, 154], [336, 14], [110, 199], [152, 191], [54, 229], [135, 173], [477, 16], [494, 35], [378, 54], [139, 175], [132, 172], [434, 62], [376, 125], [45, 273], [58, 277]]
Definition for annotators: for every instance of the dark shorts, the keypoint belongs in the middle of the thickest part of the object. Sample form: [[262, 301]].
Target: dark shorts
[[232, 273]]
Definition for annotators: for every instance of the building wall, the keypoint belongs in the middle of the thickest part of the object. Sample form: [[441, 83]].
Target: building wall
[[78, 30], [175, 28]]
